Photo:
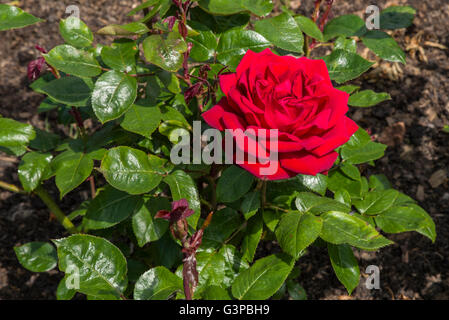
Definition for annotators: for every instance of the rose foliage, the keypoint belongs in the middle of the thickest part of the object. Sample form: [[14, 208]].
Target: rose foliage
[[154, 228]]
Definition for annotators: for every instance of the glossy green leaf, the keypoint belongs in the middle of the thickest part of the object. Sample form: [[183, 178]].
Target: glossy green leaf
[[12, 17], [132, 170], [235, 43], [157, 284], [258, 7], [263, 279], [72, 91], [166, 53], [309, 202], [142, 120], [234, 263], [33, 168], [316, 183], [407, 218], [376, 202], [346, 44], [71, 168], [75, 32], [367, 98], [340, 227], [44, 141], [348, 89], [37, 256], [109, 208], [222, 7], [369, 152], [379, 182], [182, 186], [282, 31], [215, 293], [252, 237], [204, 44], [133, 28], [346, 26], [15, 134], [309, 27], [64, 293], [219, 24], [271, 219], [343, 196], [338, 180], [350, 170], [344, 65], [73, 61], [224, 223], [250, 204], [296, 231], [145, 227], [397, 17], [113, 95], [345, 265], [233, 184], [121, 55], [384, 46], [99, 266]]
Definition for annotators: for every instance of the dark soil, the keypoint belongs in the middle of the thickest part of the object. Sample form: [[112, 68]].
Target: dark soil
[[411, 124]]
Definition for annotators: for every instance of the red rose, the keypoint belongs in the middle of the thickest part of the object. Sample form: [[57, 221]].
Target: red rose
[[293, 95]]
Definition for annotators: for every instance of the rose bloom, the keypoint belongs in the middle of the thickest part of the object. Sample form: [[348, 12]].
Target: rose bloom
[[293, 95]]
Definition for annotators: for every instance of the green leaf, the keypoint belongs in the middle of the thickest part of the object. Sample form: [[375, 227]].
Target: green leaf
[[359, 139], [369, 152], [343, 196], [340, 227], [338, 180], [145, 227], [397, 17], [263, 279], [211, 269], [182, 186], [14, 18], [99, 265], [37, 256], [347, 26], [143, 6], [219, 24], [224, 223], [142, 120], [345, 265], [130, 29], [34, 168], [75, 32], [309, 202], [73, 61], [235, 43], [348, 89], [250, 204], [166, 53], [350, 170], [282, 31], [407, 218], [252, 237], [379, 182], [271, 219], [221, 7], [367, 98], [258, 7], [233, 184], [384, 46], [132, 170], [157, 284], [296, 231], [376, 202], [296, 291], [234, 263], [64, 293], [309, 27], [215, 293], [344, 65], [121, 55], [316, 183], [204, 44], [109, 208], [346, 44], [72, 91], [113, 95], [72, 168], [14, 134]]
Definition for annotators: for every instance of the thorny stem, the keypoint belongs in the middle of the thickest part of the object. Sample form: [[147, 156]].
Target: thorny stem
[[326, 14], [54, 208]]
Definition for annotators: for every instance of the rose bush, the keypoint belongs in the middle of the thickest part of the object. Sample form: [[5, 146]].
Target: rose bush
[[153, 228], [294, 96]]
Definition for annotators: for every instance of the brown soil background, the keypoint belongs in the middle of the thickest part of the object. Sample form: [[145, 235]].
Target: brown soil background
[[411, 123]]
